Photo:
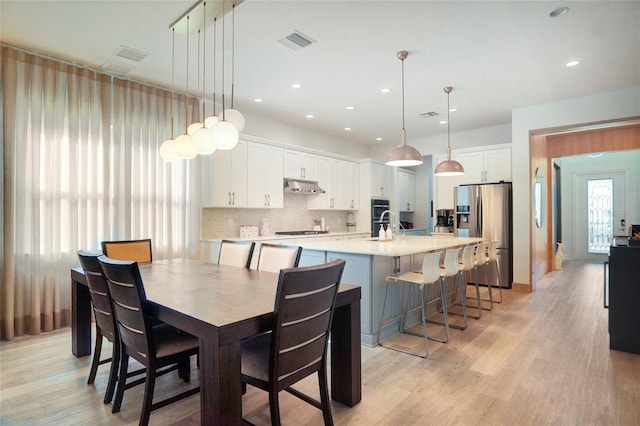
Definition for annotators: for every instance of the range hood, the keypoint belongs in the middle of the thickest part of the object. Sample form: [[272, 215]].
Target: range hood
[[299, 186]]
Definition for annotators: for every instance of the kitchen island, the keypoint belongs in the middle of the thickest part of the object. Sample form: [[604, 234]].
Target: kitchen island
[[369, 262]]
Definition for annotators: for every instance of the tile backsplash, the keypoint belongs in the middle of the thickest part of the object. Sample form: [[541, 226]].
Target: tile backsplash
[[220, 223]]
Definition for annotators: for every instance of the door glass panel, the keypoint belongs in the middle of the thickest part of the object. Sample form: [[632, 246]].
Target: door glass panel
[[600, 214]]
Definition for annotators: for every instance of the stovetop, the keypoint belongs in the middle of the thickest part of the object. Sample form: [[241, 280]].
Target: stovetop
[[301, 232]]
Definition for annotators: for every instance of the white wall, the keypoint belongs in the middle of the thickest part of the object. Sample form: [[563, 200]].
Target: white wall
[[624, 161], [598, 107]]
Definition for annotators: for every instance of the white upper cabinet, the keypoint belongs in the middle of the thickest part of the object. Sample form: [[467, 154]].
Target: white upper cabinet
[[485, 166], [381, 180], [265, 171], [351, 184], [224, 178], [406, 190], [300, 165], [340, 180]]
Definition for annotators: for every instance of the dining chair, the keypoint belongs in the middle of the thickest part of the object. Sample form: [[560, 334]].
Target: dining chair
[[492, 259], [297, 346], [273, 257], [105, 322], [429, 276], [236, 253], [138, 250], [160, 348]]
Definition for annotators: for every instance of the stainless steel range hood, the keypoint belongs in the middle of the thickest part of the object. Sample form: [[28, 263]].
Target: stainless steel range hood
[[299, 186]]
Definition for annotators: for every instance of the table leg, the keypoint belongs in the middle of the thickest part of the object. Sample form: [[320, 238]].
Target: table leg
[[80, 319], [220, 385], [346, 362]]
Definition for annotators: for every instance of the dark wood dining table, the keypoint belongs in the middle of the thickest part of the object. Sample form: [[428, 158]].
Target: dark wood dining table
[[222, 305]]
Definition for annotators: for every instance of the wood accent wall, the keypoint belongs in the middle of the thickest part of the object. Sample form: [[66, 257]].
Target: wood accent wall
[[543, 147]]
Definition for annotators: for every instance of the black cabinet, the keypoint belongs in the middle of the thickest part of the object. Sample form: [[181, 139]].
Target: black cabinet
[[624, 298]]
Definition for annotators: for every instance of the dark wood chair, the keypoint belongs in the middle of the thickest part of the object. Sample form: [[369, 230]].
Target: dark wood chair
[[273, 257], [236, 253], [160, 348], [105, 322], [297, 346], [138, 250]]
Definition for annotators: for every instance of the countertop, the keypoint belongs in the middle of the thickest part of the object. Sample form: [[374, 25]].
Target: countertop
[[410, 244], [288, 237]]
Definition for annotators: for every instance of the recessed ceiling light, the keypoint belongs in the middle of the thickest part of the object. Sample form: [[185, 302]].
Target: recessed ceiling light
[[347, 128], [296, 85], [351, 107], [385, 90], [257, 100], [453, 109], [558, 12], [443, 122], [573, 63], [378, 139], [309, 115]]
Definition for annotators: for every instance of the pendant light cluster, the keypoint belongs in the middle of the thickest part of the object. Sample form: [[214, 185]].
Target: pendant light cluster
[[449, 167], [215, 132], [403, 154]]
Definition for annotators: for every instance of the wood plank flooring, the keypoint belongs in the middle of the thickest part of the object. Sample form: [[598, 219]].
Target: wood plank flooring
[[540, 358]]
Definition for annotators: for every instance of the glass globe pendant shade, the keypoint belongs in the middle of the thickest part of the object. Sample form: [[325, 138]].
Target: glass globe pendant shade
[[185, 147], [193, 127], [225, 135], [168, 151], [234, 117], [210, 122], [203, 141]]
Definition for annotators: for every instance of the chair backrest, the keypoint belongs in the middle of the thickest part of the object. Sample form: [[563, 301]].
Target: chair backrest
[[128, 299], [236, 253], [304, 305], [99, 292], [493, 252], [137, 250], [481, 253], [467, 258], [273, 257], [431, 267], [451, 266]]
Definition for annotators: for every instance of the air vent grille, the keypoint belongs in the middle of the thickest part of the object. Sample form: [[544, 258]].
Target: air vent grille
[[428, 114], [130, 54], [296, 40]]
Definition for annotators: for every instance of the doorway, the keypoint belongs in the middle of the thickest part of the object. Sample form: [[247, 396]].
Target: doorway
[[599, 206]]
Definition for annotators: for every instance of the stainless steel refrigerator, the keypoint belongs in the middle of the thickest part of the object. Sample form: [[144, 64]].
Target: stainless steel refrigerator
[[486, 211]]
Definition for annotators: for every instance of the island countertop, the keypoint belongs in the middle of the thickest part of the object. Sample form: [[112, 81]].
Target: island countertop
[[403, 246]]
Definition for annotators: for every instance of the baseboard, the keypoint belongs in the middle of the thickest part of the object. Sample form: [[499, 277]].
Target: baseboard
[[524, 288]]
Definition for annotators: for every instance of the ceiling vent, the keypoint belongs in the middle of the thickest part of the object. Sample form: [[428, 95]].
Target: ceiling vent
[[428, 114], [296, 40], [130, 53], [113, 67]]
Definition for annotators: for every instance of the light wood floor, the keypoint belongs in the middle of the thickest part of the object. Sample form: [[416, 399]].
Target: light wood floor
[[536, 359]]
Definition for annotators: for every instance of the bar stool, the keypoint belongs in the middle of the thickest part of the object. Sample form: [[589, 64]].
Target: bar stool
[[451, 268], [429, 276], [467, 263], [481, 261], [493, 259]]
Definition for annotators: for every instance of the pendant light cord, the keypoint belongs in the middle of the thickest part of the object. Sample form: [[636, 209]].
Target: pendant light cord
[[186, 96], [402, 94], [448, 122], [233, 51], [215, 34], [223, 114], [204, 56], [173, 65]]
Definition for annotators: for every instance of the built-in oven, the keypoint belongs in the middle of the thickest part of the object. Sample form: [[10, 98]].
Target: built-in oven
[[378, 206]]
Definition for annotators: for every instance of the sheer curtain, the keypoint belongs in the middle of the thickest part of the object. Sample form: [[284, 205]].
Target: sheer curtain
[[81, 165]]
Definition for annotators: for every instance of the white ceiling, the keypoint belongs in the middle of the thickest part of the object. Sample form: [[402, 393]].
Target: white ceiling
[[497, 55]]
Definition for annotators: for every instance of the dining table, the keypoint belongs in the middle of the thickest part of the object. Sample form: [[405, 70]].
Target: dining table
[[223, 305]]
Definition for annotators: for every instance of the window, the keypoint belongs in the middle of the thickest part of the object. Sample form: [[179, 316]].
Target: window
[[599, 215]]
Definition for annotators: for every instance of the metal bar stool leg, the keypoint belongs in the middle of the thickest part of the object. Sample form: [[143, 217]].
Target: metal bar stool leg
[[499, 282]]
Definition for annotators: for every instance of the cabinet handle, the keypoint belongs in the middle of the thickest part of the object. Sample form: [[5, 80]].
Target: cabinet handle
[[304, 172], [229, 203], [265, 200], [381, 191], [301, 172], [233, 197], [408, 206], [268, 199]]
